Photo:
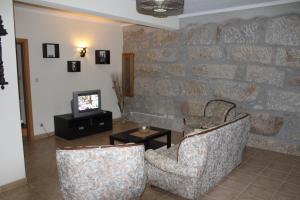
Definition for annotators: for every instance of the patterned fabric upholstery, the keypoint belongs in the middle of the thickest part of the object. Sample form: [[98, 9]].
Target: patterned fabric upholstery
[[220, 109], [110, 173], [207, 157], [216, 112]]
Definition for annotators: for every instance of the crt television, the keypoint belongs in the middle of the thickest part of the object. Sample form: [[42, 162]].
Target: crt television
[[86, 103]]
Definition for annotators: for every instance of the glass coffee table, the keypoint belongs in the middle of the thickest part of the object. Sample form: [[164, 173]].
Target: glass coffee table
[[146, 137]]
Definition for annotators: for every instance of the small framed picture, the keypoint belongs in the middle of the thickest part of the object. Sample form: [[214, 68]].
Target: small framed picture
[[50, 50], [102, 56], [73, 66]]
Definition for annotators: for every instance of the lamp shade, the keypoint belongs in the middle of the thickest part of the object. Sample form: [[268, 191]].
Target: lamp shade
[[160, 8]]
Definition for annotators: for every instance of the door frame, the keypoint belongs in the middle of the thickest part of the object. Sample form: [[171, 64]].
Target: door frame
[[27, 87]]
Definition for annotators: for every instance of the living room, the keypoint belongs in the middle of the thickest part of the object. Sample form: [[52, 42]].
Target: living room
[[246, 55]]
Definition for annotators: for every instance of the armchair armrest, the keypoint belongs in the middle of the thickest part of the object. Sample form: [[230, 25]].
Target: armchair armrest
[[167, 164]]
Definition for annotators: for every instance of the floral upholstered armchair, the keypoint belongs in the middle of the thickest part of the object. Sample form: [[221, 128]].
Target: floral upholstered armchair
[[106, 173], [216, 112], [200, 161]]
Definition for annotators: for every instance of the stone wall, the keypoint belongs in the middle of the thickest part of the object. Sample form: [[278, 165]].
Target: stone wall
[[254, 63]]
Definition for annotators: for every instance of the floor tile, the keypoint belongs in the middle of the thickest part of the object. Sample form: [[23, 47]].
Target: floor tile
[[237, 185], [21, 193], [250, 168], [150, 194], [274, 174], [290, 188], [222, 193], [296, 169], [244, 196], [281, 167], [284, 196], [205, 198], [294, 178], [268, 183], [242, 177], [259, 192], [258, 162]]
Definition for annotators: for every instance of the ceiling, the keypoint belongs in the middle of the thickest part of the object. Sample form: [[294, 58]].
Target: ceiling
[[204, 7], [125, 10], [201, 7]]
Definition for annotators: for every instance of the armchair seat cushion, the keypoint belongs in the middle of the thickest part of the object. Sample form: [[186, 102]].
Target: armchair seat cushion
[[161, 161]]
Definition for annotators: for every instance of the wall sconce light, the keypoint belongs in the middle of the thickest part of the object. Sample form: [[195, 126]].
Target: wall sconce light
[[82, 51]]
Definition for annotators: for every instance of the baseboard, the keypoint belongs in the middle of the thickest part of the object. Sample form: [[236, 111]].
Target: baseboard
[[13, 185], [43, 135]]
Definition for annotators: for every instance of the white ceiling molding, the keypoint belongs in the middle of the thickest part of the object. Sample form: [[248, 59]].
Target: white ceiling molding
[[237, 8], [120, 10]]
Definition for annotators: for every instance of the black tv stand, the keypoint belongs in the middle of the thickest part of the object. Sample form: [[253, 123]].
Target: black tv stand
[[68, 127]]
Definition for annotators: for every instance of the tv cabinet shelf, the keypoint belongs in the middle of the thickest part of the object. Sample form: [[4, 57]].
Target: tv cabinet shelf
[[68, 127]]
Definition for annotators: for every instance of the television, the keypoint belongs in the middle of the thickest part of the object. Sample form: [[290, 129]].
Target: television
[[86, 103]]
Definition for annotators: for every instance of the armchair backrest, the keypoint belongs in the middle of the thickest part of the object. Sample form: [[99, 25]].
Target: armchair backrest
[[193, 152], [220, 148], [220, 108], [108, 173]]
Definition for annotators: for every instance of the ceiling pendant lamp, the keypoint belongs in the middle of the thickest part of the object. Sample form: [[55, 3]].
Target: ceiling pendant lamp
[[160, 8]]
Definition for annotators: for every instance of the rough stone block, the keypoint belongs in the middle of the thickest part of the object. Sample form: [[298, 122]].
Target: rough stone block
[[148, 69], [158, 121], [143, 86], [246, 53], [246, 33], [269, 75], [206, 53], [215, 71], [205, 34], [175, 69], [295, 81], [272, 144], [283, 101], [167, 88], [192, 88], [137, 32], [284, 30], [192, 107], [265, 124], [164, 38], [235, 90], [288, 57], [158, 105], [162, 55], [129, 46]]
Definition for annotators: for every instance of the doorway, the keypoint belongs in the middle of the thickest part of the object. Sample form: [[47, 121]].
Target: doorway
[[24, 88]]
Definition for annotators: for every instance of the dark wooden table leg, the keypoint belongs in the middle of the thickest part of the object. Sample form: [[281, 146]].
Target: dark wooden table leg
[[146, 144], [111, 141], [169, 139]]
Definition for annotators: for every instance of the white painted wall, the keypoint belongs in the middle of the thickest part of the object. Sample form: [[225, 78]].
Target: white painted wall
[[11, 149], [51, 84]]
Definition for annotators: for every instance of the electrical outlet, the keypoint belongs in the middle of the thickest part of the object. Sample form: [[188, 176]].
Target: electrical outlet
[[41, 125]]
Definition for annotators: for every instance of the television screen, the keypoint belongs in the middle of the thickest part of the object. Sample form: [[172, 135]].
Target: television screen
[[88, 102]]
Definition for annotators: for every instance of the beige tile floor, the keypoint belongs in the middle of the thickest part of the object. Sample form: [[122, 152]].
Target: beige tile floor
[[263, 175]]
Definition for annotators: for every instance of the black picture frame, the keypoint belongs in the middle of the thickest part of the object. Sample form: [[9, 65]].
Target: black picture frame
[[74, 66], [50, 50], [102, 57], [3, 32]]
